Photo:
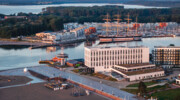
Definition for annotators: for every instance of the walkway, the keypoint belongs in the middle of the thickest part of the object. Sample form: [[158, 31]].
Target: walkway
[[53, 72]]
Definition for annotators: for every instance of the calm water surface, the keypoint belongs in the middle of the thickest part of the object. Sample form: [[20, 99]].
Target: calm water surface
[[8, 9], [16, 57]]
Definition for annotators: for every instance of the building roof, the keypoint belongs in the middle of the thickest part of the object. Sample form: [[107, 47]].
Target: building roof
[[106, 47], [135, 65], [166, 46], [141, 71]]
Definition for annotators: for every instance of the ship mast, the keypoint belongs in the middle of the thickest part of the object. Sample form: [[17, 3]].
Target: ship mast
[[118, 20], [128, 19], [136, 31], [136, 26], [107, 23]]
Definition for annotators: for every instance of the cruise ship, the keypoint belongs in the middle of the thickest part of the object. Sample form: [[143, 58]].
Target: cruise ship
[[119, 38]]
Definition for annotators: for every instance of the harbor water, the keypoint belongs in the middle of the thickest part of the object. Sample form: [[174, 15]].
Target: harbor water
[[21, 56]]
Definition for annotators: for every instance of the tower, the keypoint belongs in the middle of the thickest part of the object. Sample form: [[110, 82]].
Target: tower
[[63, 56]]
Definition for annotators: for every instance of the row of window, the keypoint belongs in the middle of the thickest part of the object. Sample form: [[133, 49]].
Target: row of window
[[115, 63], [115, 57], [151, 76], [116, 52]]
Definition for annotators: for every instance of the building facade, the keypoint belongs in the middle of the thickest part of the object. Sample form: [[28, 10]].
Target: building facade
[[168, 56], [103, 58], [79, 32], [134, 72], [178, 80]]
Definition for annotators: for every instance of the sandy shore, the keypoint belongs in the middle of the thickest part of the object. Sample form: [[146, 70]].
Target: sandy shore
[[39, 92], [13, 80]]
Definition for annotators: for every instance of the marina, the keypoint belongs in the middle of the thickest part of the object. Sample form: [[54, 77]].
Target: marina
[[90, 50], [17, 59], [119, 37]]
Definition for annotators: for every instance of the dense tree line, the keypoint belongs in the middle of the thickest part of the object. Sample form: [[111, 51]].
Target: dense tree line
[[53, 18], [26, 27], [158, 3], [36, 2], [89, 14]]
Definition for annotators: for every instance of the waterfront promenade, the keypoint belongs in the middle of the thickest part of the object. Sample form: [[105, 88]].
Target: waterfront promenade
[[53, 72]]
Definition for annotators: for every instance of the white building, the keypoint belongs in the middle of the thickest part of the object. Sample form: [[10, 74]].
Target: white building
[[133, 72], [70, 26], [50, 37], [79, 32], [103, 58], [43, 34], [178, 80]]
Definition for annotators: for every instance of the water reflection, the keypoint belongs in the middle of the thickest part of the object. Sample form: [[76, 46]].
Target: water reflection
[[89, 43], [15, 47], [50, 49], [24, 57]]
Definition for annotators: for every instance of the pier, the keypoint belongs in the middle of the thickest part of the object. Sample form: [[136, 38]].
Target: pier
[[89, 84]]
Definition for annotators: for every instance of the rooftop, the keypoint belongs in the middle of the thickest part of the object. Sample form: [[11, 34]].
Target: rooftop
[[141, 71], [134, 65], [106, 47], [166, 46]]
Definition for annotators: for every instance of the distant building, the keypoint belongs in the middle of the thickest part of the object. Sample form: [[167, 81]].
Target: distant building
[[168, 56], [72, 63], [101, 59], [17, 17], [178, 80], [43, 34], [61, 58], [75, 62], [79, 32], [133, 72], [71, 26]]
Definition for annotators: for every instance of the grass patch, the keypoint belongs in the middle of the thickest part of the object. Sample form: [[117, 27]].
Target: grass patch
[[156, 88], [146, 83], [80, 70], [102, 76], [98, 75], [133, 91], [167, 94]]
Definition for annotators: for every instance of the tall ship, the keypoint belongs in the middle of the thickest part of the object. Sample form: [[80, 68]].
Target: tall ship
[[117, 37]]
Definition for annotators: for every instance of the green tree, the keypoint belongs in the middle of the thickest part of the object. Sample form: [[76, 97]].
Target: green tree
[[171, 45], [142, 88], [56, 24]]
